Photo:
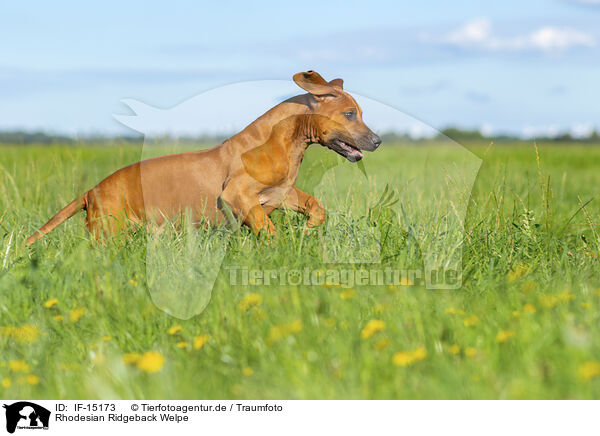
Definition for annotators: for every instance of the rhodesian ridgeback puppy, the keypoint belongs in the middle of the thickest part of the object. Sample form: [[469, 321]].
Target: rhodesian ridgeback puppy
[[252, 173]]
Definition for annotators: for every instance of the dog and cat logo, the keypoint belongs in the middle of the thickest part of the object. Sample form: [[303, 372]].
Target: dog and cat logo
[[26, 415]]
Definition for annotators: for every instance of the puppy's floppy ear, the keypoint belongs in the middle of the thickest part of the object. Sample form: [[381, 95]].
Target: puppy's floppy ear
[[337, 82], [312, 82]]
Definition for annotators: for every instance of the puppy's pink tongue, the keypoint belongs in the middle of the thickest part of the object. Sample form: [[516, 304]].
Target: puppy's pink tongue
[[356, 153], [352, 151]]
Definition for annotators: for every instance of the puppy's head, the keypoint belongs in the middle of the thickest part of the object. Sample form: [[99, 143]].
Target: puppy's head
[[341, 127]]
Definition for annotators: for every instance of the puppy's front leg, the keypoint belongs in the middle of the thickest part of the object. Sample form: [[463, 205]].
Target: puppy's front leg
[[307, 205], [248, 208]]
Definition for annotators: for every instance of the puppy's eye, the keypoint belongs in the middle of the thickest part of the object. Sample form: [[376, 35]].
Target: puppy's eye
[[350, 116]]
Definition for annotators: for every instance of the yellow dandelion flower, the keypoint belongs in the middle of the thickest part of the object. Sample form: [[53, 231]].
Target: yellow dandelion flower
[[6, 383], [106, 338], [382, 344], [131, 358], [279, 332], [516, 314], [295, 326], [504, 335], [529, 308], [174, 330], [247, 371], [405, 358], [454, 349], [471, 321], [19, 366], [420, 353], [470, 352], [200, 341], [182, 344], [51, 302], [589, 370], [372, 327], [58, 318], [517, 273], [77, 313], [565, 296], [585, 305], [548, 301], [25, 334], [405, 281], [133, 282], [151, 361], [248, 301], [347, 294], [402, 358]]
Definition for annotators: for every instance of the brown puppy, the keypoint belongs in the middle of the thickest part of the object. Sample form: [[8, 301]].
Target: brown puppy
[[253, 172]]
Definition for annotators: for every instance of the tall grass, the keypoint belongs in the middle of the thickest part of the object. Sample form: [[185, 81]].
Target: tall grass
[[524, 324]]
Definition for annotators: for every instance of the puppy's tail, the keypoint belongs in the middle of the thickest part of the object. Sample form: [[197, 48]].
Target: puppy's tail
[[64, 214]]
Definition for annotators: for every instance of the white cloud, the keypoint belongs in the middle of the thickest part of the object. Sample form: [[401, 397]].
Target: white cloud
[[478, 34], [539, 131], [577, 130], [487, 129], [478, 31], [582, 130], [558, 39]]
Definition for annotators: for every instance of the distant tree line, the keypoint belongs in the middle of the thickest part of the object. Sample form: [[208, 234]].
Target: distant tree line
[[463, 135], [19, 137], [459, 135], [43, 138], [454, 133]]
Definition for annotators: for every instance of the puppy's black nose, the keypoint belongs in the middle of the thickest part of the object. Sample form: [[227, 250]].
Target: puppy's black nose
[[376, 140]]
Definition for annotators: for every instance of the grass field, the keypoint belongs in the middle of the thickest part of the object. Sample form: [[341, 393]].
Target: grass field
[[77, 320]]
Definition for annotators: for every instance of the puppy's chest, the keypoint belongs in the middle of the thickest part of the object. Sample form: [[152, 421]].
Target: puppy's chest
[[284, 177], [282, 184]]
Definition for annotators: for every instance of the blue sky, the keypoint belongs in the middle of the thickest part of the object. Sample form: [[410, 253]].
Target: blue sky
[[522, 67]]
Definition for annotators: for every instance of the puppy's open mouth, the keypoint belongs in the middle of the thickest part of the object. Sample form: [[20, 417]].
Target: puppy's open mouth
[[347, 150]]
